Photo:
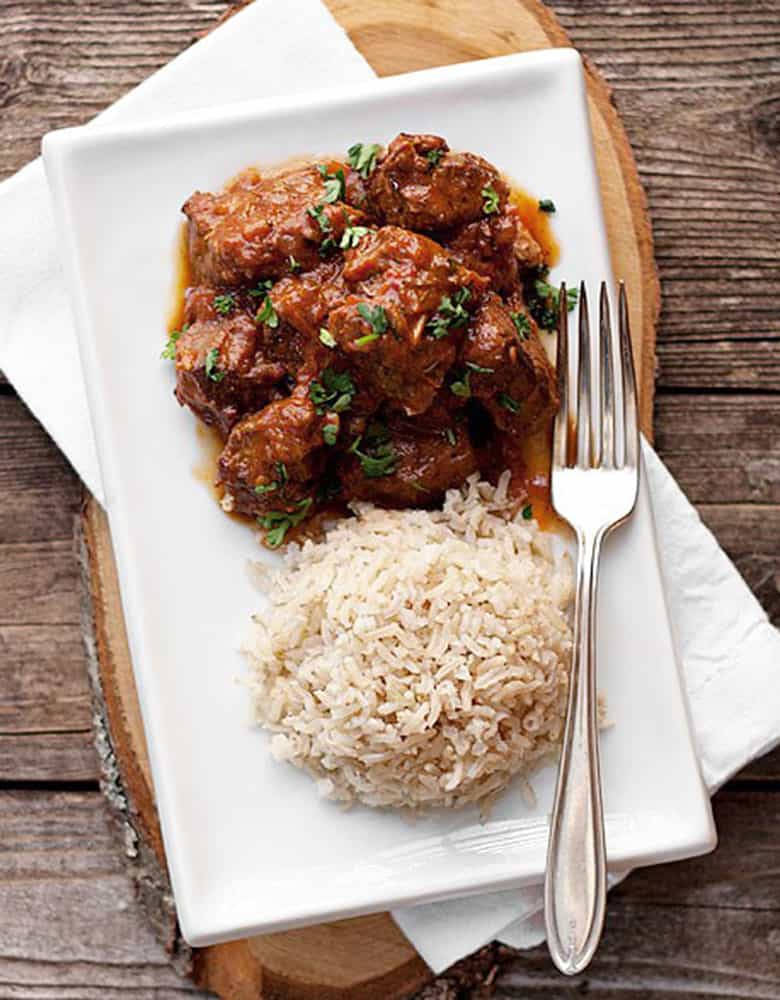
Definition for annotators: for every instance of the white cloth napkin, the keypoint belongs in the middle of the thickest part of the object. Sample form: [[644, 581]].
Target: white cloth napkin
[[729, 651]]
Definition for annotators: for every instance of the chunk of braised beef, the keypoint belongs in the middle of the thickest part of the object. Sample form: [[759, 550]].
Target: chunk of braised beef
[[419, 183], [281, 225], [273, 459], [405, 462], [399, 282], [487, 246], [221, 371], [505, 367]]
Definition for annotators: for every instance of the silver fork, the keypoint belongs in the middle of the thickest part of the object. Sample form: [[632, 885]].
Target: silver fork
[[595, 478]]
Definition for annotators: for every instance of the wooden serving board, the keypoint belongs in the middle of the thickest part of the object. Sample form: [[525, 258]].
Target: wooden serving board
[[366, 957]]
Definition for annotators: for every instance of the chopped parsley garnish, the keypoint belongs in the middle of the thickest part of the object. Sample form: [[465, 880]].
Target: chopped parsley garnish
[[528, 512], [490, 204], [508, 403], [294, 265], [479, 368], [522, 325], [277, 484], [326, 337], [377, 457], [542, 300], [333, 392], [169, 351], [278, 522], [267, 314], [376, 317], [450, 314], [329, 434], [334, 183], [417, 485], [327, 245], [449, 434], [212, 371], [225, 304], [261, 289], [351, 236], [462, 387], [546, 291], [317, 212], [362, 157], [433, 156], [546, 205]]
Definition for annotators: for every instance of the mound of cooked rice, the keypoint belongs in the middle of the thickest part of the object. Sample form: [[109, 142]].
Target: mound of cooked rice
[[416, 658]]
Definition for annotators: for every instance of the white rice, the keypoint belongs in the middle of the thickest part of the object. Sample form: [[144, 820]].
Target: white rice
[[416, 658]]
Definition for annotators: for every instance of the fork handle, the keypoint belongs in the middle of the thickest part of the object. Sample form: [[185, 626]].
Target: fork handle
[[575, 879]]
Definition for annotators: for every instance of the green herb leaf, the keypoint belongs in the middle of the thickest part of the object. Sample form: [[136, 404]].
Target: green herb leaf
[[169, 351], [490, 205], [278, 522], [508, 403], [317, 212], [262, 488], [450, 315], [225, 304], [329, 434], [211, 366], [261, 289], [267, 314], [327, 245], [462, 387], [351, 236], [377, 458], [542, 301], [433, 156], [332, 392], [546, 205], [326, 337], [334, 183], [522, 325], [294, 265], [479, 368], [362, 157], [376, 317], [528, 512], [449, 434]]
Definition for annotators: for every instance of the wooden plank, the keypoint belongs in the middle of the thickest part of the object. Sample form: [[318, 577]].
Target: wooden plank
[[40, 495], [722, 448], [70, 925], [40, 584], [43, 684], [62, 62], [752, 365], [45, 707], [49, 759]]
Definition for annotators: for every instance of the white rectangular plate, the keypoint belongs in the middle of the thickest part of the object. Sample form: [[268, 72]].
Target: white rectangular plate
[[251, 848]]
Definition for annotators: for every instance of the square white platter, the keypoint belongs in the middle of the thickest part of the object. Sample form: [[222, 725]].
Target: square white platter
[[250, 846]]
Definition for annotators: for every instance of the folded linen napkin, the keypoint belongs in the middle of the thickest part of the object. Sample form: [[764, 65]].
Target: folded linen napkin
[[730, 653]]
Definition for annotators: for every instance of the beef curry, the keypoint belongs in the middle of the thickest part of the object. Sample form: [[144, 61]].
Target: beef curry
[[364, 329]]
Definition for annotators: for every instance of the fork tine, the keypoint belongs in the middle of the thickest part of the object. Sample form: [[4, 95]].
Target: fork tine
[[584, 443], [607, 395], [631, 442], [561, 440]]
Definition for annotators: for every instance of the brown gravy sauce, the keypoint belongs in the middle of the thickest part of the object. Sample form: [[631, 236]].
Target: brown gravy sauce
[[536, 448]]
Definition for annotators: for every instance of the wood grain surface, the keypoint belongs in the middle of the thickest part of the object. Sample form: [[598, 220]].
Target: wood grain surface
[[697, 85]]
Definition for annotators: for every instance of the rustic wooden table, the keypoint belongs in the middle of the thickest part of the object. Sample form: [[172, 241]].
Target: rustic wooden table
[[698, 86]]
